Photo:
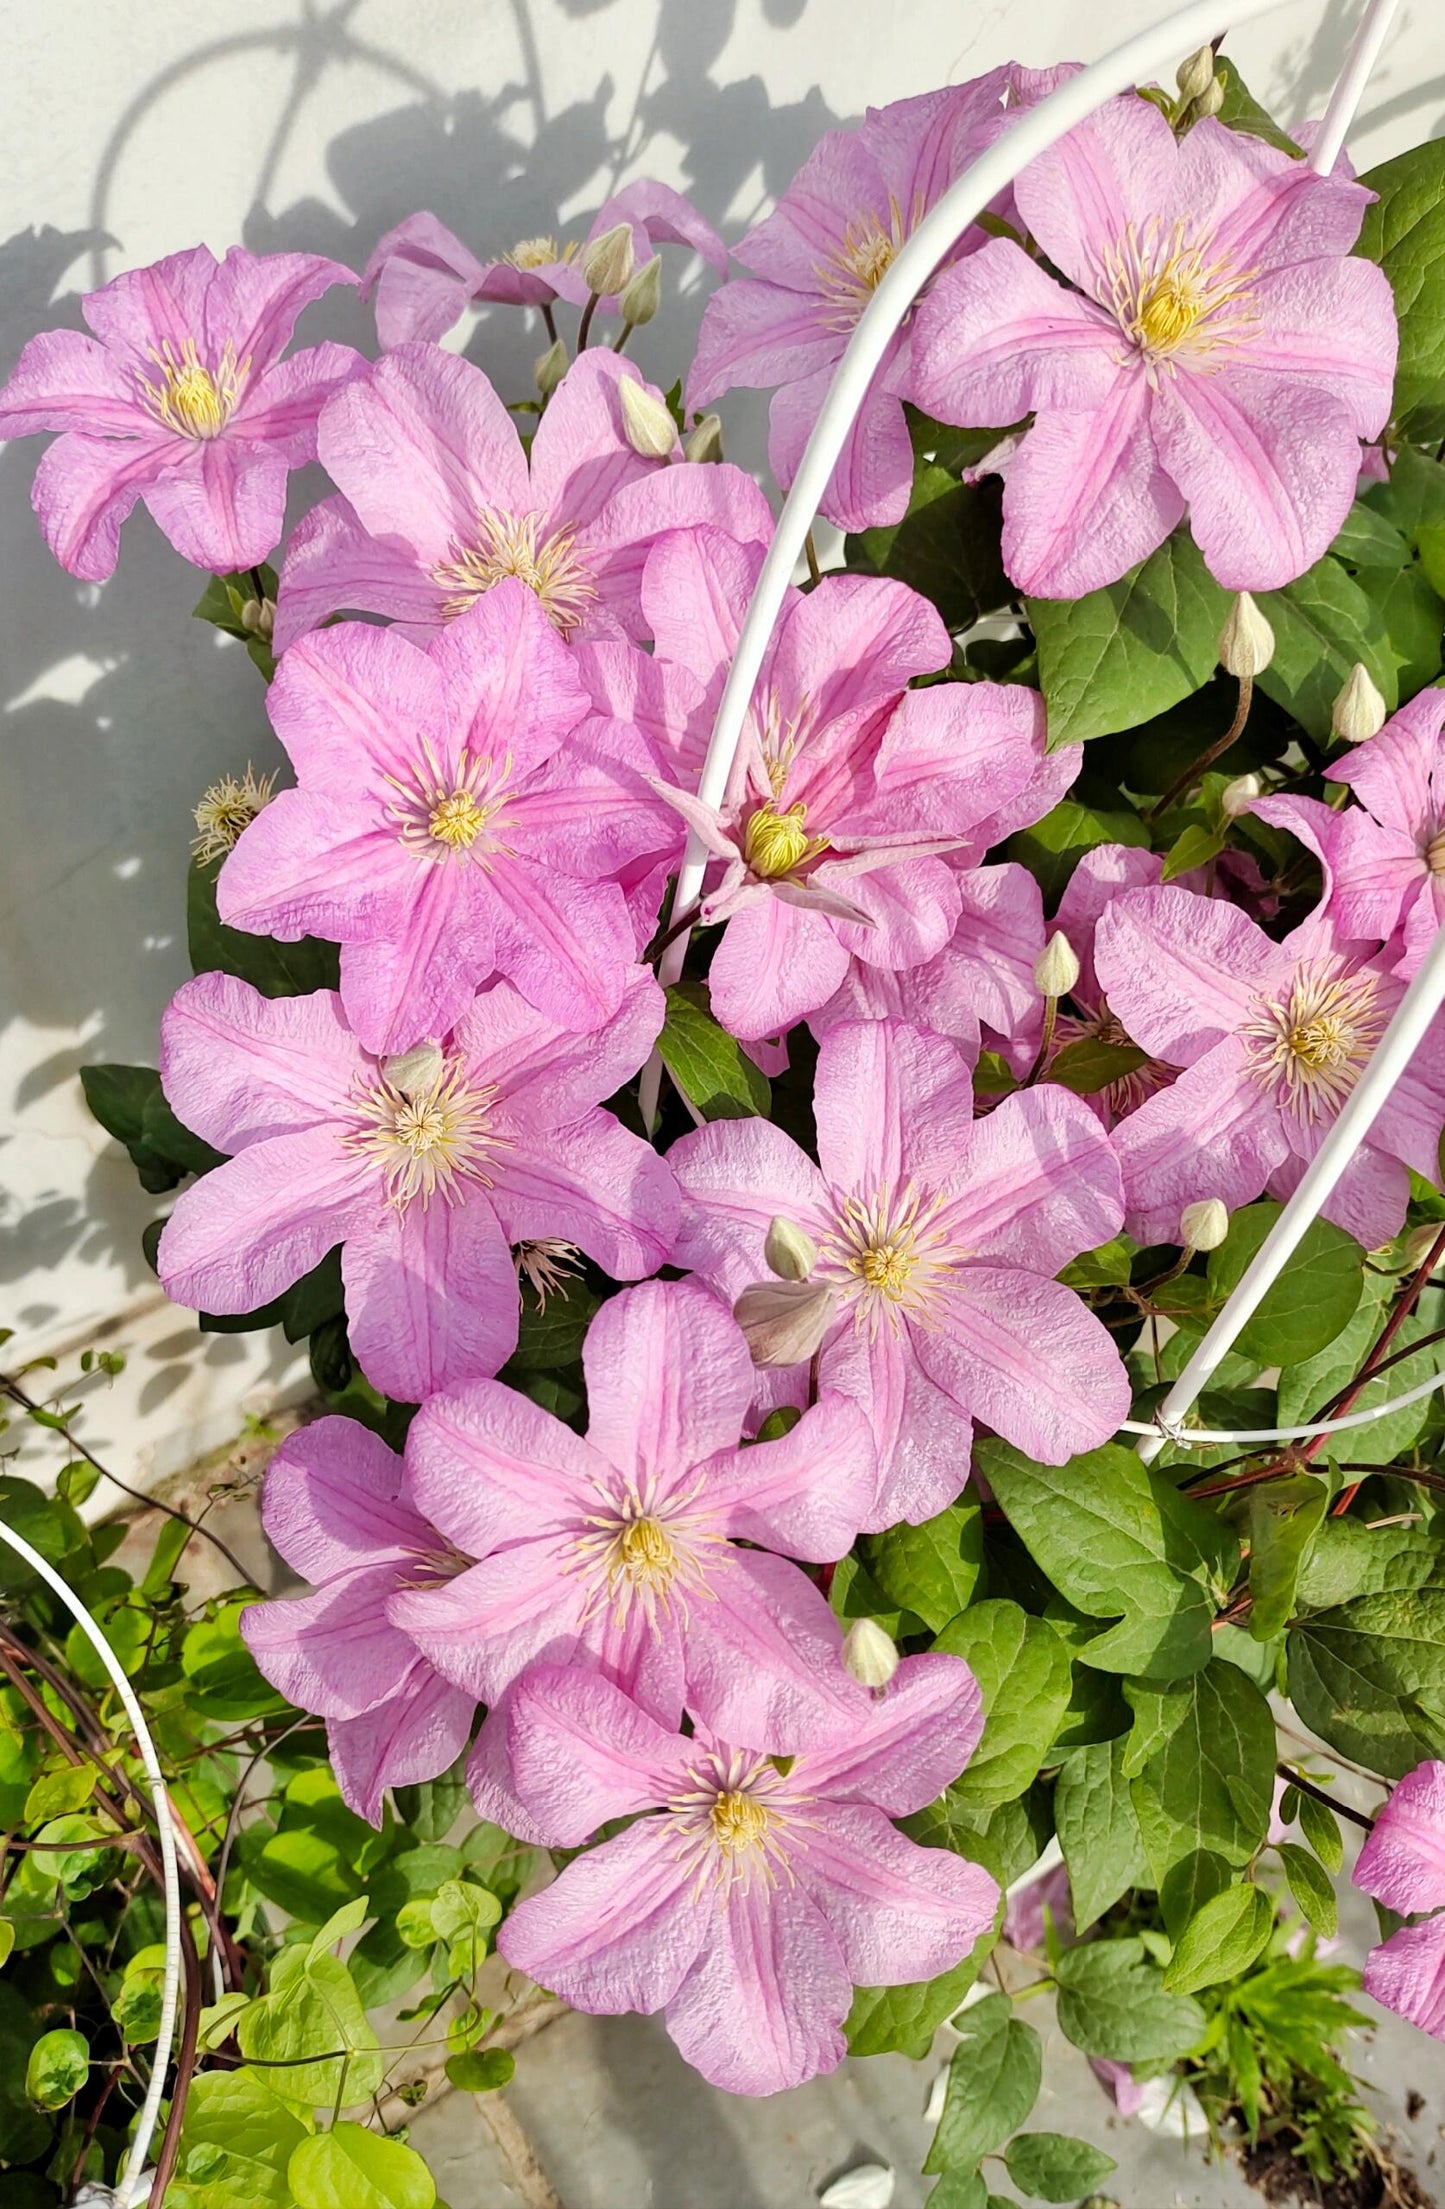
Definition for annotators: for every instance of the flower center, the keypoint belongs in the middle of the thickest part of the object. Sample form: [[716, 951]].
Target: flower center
[[732, 1823], [889, 1254], [191, 399], [441, 815], [1171, 301], [537, 253], [1311, 1046], [511, 545], [547, 1264], [775, 844], [457, 820], [227, 808], [427, 1140], [858, 263], [1435, 853], [739, 1821], [646, 1555]]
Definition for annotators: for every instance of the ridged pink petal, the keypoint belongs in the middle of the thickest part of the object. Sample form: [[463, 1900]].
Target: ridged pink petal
[[582, 1752], [431, 1296], [805, 1494], [845, 650], [989, 961], [83, 490], [1400, 774], [65, 380], [253, 300], [897, 1911], [1181, 971], [568, 946], [669, 1380], [543, 1073], [1055, 774], [593, 1183], [762, 2008], [1028, 1358], [311, 864], [736, 1177], [416, 979], [618, 1931], [1266, 210], [1037, 1183], [508, 680], [695, 591], [912, 906], [1086, 495], [237, 1066], [776, 962], [875, 1080], [1080, 196], [1096, 881], [417, 1735], [358, 695], [1424, 917], [333, 562], [1402, 1863], [997, 338], [1376, 871], [225, 506], [1407, 1975], [1369, 1199], [143, 309], [590, 815], [334, 1652], [422, 277], [921, 144], [1409, 1120], [657, 211], [924, 1437], [1213, 1133], [950, 756], [873, 474], [755, 335], [616, 545], [281, 408], [764, 1655], [839, 184], [909, 1742], [248, 1229], [1331, 324], [581, 455], [333, 1501], [518, 1607], [661, 699], [489, 1467]]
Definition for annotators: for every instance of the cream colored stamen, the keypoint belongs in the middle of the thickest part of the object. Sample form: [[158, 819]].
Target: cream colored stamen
[[428, 1141], [511, 545], [1170, 300], [1435, 853], [1311, 1045]]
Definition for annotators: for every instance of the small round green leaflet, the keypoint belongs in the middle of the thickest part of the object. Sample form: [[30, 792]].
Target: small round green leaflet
[[481, 2070], [58, 2068], [352, 2168]]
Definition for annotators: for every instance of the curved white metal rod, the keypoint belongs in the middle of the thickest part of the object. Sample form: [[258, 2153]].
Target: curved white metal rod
[[1206, 1437], [1364, 52], [132, 2182]]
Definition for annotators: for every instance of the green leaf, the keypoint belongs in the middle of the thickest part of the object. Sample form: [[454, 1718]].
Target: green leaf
[[1118, 1541], [1321, 1828], [552, 1338], [1410, 607], [1051, 2166], [1113, 2002], [1309, 1883], [1369, 539], [312, 2028], [904, 2019], [1206, 1780], [1222, 1940], [1369, 1677], [962, 2190], [709, 1066], [58, 2068], [352, 2168], [222, 1671], [7, 1939], [1098, 1831], [946, 546], [1052, 847], [930, 1569], [1090, 1064], [341, 1922], [993, 2083], [137, 2007], [275, 969], [1024, 1675], [1006, 1841], [1188, 1884], [1323, 623], [481, 2070], [1405, 232], [1349, 1559], [1313, 1298], [1106, 1267], [128, 1103], [463, 1914], [237, 2139], [1305, 1388], [1242, 111], [54, 1793], [1284, 1517], [1119, 656], [1195, 846]]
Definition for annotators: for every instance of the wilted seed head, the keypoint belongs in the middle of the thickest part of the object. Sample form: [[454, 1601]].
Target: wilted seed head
[[704, 441], [784, 1321], [790, 1251], [1359, 711], [642, 293], [1056, 968], [869, 1654], [1197, 73], [1203, 1226], [551, 368], [649, 428], [228, 807], [608, 261], [1246, 642], [1238, 796]]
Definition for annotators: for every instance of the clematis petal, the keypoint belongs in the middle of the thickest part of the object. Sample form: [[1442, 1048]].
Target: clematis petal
[[764, 1656], [898, 1912], [334, 1652], [253, 300], [416, 1735], [1213, 1133], [237, 1066], [618, 1931], [516, 1608], [1181, 971], [873, 475], [910, 1741], [1026, 1356], [1402, 1863], [998, 339], [762, 2008], [1407, 1975], [1037, 1184], [84, 487], [882, 1091], [776, 962], [924, 1437], [593, 1183], [1087, 495], [488, 1466], [669, 1380], [431, 1295], [805, 1494], [334, 564], [333, 1501], [422, 277], [736, 1177], [255, 1225], [64, 380]]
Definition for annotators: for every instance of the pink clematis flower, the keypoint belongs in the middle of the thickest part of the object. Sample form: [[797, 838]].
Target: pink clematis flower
[[1387, 856], [425, 1169], [1096, 881], [181, 399], [452, 820], [1402, 1864], [938, 1237], [1221, 352], [423, 276], [338, 1507], [817, 260], [615, 1552], [1273, 1038], [749, 1901], [442, 501], [847, 785]]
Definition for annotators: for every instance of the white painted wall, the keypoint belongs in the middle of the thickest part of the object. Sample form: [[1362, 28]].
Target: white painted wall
[[129, 132]]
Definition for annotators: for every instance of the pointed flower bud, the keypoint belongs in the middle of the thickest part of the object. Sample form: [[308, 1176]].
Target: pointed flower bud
[[1246, 642], [258, 617], [1056, 969], [1419, 1243], [642, 293], [784, 1321], [416, 1071], [1359, 711], [1195, 75], [1203, 1226], [1207, 102], [790, 1251], [869, 1653], [608, 261], [551, 368], [649, 427], [1238, 796], [704, 442]]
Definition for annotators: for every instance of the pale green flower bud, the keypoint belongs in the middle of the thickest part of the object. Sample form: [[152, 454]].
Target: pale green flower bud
[[869, 1654], [704, 442], [1056, 968], [1419, 1243], [790, 1251], [551, 368], [1203, 1226], [1246, 642], [608, 261], [1196, 75], [416, 1071], [1238, 796], [642, 294], [1359, 711], [649, 428], [1207, 102], [784, 1321], [258, 618]]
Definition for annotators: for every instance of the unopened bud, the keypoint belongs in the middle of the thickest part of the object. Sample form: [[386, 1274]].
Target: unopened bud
[[551, 368], [1195, 75], [1419, 1243], [258, 618], [1359, 711], [1246, 642], [869, 1654], [1203, 1226], [784, 1321], [1238, 796], [416, 1071], [704, 442], [608, 261], [1207, 102], [790, 1251], [649, 428], [1056, 969], [642, 293]]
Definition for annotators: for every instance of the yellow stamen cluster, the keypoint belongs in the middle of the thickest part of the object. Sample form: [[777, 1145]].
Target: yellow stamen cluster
[[1311, 1045], [739, 1821], [858, 263], [228, 807], [1170, 300], [645, 1554], [777, 844], [890, 1251], [511, 545], [458, 820], [442, 814], [191, 399], [538, 253], [427, 1140]]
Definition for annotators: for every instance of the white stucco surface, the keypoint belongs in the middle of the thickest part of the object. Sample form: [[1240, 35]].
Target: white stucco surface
[[132, 132]]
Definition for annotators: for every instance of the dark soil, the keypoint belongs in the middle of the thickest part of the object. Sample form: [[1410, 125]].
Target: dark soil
[[1272, 2167]]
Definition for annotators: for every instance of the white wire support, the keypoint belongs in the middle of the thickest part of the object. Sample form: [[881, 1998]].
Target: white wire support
[[132, 2182], [1162, 1430], [1364, 52]]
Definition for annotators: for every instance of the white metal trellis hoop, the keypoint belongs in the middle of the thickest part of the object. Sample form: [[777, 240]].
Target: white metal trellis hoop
[[1036, 129]]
